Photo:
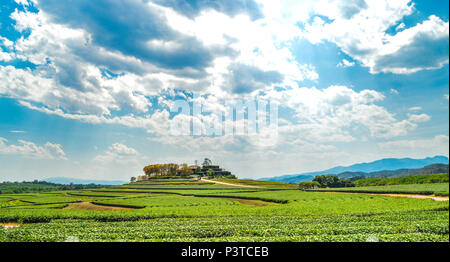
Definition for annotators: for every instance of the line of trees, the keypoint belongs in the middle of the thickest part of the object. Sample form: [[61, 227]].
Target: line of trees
[[159, 170], [324, 181], [39, 186]]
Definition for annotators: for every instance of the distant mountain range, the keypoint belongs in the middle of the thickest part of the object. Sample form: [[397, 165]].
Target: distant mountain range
[[379, 165], [428, 170], [76, 181]]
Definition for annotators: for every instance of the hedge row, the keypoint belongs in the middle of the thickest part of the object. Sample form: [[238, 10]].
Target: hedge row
[[117, 205], [376, 192], [246, 198]]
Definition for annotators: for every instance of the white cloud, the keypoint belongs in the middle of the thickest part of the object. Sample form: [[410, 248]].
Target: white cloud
[[118, 153], [7, 44], [6, 57], [419, 118], [157, 123], [446, 96], [262, 44], [333, 114], [345, 63], [394, 91], [415, 108], [25, 2], [17, 131], [84, 75], [400, 26], [74, 87], [71, 76], [31, 150], [362, 35], [262, 48], [339, 109]]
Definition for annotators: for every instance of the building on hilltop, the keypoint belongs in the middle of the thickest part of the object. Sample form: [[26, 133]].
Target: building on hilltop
[[183, 171], [206, 166]]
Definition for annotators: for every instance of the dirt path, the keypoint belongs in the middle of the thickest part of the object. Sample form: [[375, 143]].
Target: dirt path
[[436, 198], [258, 203], [9, 225], [90, 206], [228, 184]]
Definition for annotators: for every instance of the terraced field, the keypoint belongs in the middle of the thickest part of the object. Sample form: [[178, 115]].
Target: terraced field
[[438, 189], [190, 210]]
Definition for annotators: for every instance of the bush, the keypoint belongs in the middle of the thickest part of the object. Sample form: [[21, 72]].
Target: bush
[[309, 185], [332, 181]]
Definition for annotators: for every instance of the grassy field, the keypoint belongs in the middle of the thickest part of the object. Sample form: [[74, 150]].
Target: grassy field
[[189, 210], [438, 189], [265, 184], [423, 179]]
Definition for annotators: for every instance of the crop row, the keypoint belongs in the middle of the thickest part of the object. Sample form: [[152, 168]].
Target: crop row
[[402, 226], [423, 189]]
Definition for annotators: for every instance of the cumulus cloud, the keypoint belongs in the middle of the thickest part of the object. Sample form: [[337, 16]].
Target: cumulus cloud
[[5, 56], [260, 45], [245, 79], [95, 63], [31, 150], [400, 26], [131, 33], [422, 47], [157, 123], [361, 32], [345, 63], [419, 118], [5, 44], [338, 108], [92, 58], [118, 153], [232, 8]]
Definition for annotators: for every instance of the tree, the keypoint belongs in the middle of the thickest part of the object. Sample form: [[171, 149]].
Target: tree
[[345, 183], [133, 179], [185, 170], [322, 180], [332, 181], [210, 173], [172, 169], [309, 185], [207, 162]]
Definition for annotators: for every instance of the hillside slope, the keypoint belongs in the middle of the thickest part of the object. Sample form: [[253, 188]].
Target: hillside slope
[[77, 181], [379, 165], [428, 170]]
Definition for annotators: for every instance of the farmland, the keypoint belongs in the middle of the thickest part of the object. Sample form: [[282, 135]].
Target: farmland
[[421, 179], [438, 189], [191, 210]]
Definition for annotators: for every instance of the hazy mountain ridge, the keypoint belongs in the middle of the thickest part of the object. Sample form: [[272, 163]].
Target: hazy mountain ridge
[[77, 181], [375, 166], [428, 170]]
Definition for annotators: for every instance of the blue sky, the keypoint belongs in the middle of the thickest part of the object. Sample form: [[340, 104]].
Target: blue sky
[[86, 88]]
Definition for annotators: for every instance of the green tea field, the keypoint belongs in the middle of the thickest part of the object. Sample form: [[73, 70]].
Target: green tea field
[[192, 210], [438, 189]]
